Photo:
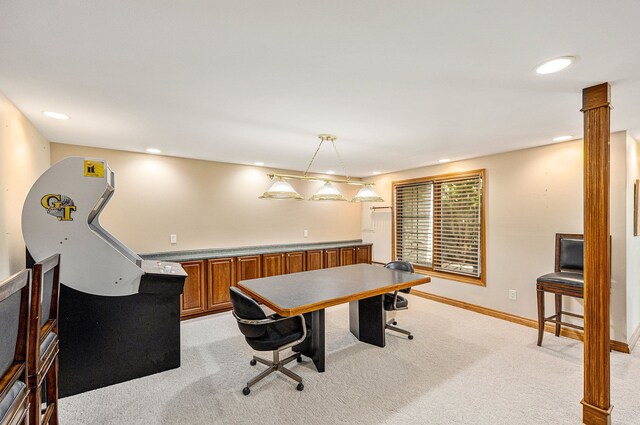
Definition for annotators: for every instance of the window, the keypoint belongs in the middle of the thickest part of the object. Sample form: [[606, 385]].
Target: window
[[439, 225]]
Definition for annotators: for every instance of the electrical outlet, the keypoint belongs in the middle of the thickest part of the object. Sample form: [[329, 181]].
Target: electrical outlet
[[305, 233], [513, 295], [174, 239]]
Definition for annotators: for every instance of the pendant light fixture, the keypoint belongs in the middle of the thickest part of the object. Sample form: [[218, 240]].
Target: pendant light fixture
[[328, 192], [367, 194], [280, 189]]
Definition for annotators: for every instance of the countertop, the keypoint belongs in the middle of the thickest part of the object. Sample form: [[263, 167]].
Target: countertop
[[203, 254]]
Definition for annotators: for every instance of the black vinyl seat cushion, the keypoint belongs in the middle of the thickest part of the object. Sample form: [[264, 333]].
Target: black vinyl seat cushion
[[277, 334], [388, 302], [563, 278], [12, 396]]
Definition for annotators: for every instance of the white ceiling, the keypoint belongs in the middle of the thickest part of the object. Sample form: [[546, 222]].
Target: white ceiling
[[401, 83]]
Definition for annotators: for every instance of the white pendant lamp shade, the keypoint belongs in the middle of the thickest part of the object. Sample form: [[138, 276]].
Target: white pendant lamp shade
[[328, 192], [367, 194], [280, 189]]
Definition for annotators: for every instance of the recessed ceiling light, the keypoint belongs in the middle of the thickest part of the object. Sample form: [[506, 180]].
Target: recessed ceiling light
[[330, 172], [375, 173], [555, 65], [443, 160], [562, 138], [259, 164], [56, 115], [153, 150]]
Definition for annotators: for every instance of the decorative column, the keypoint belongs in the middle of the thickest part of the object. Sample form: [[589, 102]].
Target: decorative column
[[596, 403]]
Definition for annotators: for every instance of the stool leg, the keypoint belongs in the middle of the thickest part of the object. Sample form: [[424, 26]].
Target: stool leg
[[540, 316], [35, 404], [52, 391], [558, 313]]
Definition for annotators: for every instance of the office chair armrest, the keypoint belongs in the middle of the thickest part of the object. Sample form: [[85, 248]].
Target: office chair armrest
[[268, 320], [395, 301]]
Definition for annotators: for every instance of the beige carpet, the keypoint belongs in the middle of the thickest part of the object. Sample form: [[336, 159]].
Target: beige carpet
[[461, 368]]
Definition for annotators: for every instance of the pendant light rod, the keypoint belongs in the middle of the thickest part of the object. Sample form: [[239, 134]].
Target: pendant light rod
[[327, 138], [283, 190], [316, 179]]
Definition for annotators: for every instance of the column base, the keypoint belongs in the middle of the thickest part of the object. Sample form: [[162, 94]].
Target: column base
[[592, 415]]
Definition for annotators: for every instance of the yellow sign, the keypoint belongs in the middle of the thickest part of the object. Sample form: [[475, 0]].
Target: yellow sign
[[94, 169]]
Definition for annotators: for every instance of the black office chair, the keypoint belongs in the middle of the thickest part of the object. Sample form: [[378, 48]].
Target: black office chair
[[394, 302], [272, 333]]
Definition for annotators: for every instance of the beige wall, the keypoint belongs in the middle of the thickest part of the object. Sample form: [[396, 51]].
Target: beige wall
[[24, 155], [633, 242], [531, 195], [209, 204]]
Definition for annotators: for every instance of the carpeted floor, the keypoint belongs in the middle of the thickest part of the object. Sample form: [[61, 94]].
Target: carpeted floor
[[461, 368]]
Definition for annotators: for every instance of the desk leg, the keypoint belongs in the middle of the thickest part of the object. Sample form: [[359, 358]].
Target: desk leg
[[317, 339], [366, 320]]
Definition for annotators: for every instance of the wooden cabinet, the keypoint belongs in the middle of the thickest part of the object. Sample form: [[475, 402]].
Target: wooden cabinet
[[295, 262], [331, 258], [221, 275], [248, 267], [273, 264], [193, 300], [363, 254], [347, 256], [314, 260], [206, 289]]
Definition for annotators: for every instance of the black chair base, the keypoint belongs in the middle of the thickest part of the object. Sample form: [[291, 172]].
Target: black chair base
[[276, 365], [390, 325]]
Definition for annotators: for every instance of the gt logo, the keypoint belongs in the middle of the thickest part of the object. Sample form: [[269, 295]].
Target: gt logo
[[60, 206]]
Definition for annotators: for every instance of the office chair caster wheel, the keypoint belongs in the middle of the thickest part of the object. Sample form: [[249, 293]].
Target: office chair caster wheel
[[410, 336], [299, 359], [252, 363], [300, 387], [246, 391], [394, 323]]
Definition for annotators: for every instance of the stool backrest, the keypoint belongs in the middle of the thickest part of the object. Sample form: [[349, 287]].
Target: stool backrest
[[45, 290], [569, 252], [14, 317]]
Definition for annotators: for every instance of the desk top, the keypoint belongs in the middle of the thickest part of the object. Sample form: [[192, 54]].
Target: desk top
[[297, 293]]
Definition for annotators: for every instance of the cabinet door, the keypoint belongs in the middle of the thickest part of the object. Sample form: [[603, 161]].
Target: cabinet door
[[314, 260], [273, 264], [248, 267], [347, 256], [193, 298], [221, 276], [331, 258], [363, 254], [295, 262]]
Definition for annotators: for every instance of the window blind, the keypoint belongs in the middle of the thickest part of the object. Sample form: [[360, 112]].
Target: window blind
[[438, 223], [413, 207], [457, 221]]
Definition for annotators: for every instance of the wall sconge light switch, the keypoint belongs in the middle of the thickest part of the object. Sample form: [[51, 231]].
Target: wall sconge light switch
[[174, 239], [305, 233]]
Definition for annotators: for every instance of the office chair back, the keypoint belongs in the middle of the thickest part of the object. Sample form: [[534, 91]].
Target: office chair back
[[402, 266], [570, 253], [247, 308]]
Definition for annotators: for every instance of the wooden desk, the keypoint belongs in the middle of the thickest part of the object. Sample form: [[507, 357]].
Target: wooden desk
[[309, 293]]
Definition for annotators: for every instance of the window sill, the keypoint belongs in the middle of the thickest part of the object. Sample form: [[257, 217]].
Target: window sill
[[451, 276]]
